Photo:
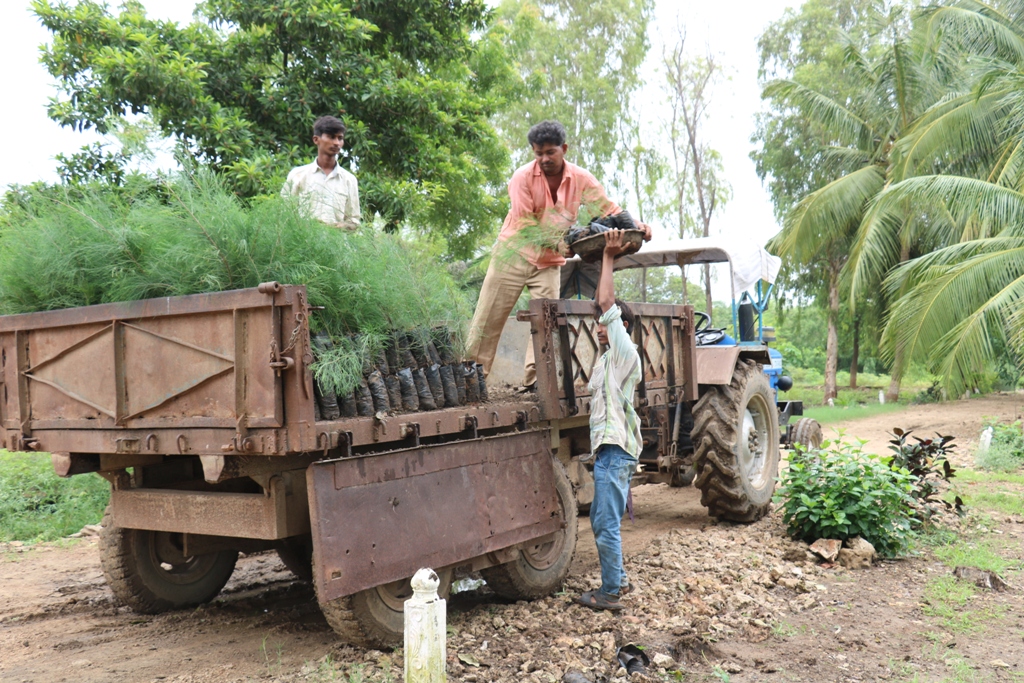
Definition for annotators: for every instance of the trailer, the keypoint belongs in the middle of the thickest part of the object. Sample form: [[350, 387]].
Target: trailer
[[200, 412]]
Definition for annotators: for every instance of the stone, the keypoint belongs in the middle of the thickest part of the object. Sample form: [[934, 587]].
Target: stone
[[980, 578], [859, 554], [663, 661], [827, 548]]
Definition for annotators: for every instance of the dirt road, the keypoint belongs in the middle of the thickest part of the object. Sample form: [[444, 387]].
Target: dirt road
[[58, 621]]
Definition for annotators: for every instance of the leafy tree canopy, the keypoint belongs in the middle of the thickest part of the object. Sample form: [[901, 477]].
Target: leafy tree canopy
[[240, 86], [576, 61]]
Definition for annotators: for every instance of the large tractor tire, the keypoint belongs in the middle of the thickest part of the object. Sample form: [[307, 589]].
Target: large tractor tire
[[375, 617], [736, 436], [807, 433], [540, 568], [148, 571]]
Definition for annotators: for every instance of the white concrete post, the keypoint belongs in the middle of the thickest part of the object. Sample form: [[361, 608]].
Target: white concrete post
[[985, 442], [881, 397], [426, 625]]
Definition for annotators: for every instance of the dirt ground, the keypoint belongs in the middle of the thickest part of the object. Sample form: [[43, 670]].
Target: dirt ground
[[708, 596]]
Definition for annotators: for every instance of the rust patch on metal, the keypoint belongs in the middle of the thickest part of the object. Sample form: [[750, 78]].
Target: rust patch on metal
[[434, 506]]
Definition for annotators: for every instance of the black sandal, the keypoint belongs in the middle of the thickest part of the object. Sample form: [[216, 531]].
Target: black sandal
[[626, 590], [600, 600]]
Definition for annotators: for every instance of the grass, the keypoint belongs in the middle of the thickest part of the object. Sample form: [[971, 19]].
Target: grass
[[992, 491], [37, 505], [947, 600], [826, 415]]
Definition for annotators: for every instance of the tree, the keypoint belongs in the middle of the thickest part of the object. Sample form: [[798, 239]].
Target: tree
[[856, 117], [959, 171], [578, 62], [698, 183], [240, 87]]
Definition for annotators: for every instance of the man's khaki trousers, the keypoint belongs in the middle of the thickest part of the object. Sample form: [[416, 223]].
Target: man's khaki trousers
[[506, 276]]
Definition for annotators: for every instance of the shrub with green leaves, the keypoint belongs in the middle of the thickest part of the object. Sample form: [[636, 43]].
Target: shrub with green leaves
[[190, 234], [839, 492], [37, 505], [1006, 451]]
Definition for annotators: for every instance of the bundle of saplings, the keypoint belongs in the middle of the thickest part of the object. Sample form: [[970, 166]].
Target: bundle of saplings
[[387, 337]]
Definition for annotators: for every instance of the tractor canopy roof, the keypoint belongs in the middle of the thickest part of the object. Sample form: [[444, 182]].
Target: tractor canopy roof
[[749, 263]]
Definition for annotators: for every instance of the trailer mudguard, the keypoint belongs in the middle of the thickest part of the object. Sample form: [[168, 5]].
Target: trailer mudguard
[[378, 518]]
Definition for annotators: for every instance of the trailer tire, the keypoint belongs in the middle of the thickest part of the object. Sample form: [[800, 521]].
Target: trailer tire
[[736, 436], [539, 570], [146, 570], [375, 617], [296, 553], [807, 432]]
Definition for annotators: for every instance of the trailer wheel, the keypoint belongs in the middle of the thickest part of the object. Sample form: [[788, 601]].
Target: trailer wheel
[[807, 432], [736, 433], [296, 553], [375, 617], [148, 571], [540, 568]]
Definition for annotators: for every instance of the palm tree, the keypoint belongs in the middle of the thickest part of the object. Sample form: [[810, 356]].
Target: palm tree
[[958, 173], [859, 129]]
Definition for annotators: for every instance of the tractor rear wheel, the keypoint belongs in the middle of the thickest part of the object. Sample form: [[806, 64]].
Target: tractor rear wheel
[[807, 433], [736, 437], [149, 572]]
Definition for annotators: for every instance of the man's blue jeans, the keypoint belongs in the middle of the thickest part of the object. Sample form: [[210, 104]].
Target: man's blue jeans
[[613, 468]]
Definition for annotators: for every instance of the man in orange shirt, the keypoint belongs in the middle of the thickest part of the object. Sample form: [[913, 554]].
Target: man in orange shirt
[[547, 193]]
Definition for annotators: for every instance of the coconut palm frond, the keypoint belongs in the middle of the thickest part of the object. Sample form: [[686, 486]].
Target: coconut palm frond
[[965, 198], [834, 117], [829, 213], [940, 318], [951, 130], [976, 28], [839, 160]]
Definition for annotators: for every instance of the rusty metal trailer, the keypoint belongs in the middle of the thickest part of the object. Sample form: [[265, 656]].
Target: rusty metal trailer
[[199, 410]]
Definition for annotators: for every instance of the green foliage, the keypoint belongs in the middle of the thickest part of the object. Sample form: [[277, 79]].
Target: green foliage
[[241, 85], [37, 505], [841, 492], [1006, 451], [927, 461], [192, 235], [575, 61]]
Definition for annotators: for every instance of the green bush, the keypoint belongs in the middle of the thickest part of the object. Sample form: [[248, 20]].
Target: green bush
[[839, 492], [190, 235], [1006, 452], [37, 505]]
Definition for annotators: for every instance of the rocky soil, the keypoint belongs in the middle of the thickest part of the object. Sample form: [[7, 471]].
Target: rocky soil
[[714, 602]]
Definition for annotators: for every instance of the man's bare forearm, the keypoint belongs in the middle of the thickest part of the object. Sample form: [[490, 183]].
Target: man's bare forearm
[[606, 283]]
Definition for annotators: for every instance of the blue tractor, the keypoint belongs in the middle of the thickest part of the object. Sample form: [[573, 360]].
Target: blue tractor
[[727, 442]]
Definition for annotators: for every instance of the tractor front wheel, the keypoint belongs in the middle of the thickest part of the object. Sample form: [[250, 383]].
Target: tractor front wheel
[[736, 438]]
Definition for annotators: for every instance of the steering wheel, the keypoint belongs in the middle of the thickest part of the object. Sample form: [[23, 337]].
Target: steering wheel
[[705, 334]]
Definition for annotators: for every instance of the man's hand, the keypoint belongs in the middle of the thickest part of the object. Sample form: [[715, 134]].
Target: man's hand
[[613, 243], [647, 231]]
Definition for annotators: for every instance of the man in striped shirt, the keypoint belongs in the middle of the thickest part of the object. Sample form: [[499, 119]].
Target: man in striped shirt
[[615, 440]]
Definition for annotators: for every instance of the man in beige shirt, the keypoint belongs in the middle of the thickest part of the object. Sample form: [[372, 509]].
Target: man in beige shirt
[[327, 192]]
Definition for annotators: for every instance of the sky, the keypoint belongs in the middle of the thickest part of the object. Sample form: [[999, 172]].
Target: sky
[[730, 29]]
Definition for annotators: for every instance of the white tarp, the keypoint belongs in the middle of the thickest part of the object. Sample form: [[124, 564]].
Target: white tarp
[[750, 263]]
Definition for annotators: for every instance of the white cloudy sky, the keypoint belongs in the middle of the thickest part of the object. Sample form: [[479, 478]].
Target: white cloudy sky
[[729, 27]]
